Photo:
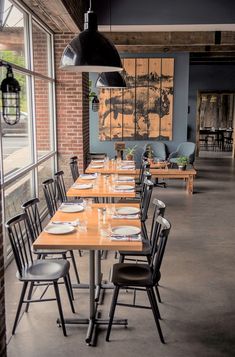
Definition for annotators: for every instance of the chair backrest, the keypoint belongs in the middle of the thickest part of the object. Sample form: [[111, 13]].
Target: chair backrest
[[31, 209], [143, 167], [159, 210], [74, 167], [187, 149], [49, 189], [160, 151], [96, 156], [162, 229], [145, 199], [21, 239], [60, 185]]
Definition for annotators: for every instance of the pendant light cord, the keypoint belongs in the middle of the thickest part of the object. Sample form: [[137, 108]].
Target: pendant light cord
[[90, 6]]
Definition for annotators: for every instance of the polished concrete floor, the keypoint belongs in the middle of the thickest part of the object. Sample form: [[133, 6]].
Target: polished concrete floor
[[197, 285]]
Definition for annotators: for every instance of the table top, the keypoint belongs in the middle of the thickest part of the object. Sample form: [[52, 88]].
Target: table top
[[92, 238], [103, 186], [171, 172], [111, 167]]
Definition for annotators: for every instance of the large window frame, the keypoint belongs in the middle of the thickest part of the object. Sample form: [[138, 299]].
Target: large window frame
[[28, 70]]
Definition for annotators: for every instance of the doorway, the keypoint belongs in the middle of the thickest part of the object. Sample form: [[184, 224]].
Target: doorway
[[215, 123]]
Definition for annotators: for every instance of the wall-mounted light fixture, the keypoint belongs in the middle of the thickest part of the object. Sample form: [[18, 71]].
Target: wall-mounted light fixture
[[91, 51], [95, 104], [10, 89]]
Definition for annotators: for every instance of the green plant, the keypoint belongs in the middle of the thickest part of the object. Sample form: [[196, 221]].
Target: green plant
[[182, 161], [149, 151], [130, 151]]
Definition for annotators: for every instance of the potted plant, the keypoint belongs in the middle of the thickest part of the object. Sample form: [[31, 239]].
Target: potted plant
[[149, 153], [130, 152], [182, 162]]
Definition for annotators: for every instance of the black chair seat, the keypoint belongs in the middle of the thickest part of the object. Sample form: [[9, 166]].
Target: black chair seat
[[44, 270], [128, 274]]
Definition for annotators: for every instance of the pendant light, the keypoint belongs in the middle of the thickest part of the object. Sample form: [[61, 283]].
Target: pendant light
[[110, 80], [10, 97], [90, 51]]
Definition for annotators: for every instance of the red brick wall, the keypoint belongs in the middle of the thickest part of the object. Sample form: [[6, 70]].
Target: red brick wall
[[2, 297], [72, 106], [40, 62]]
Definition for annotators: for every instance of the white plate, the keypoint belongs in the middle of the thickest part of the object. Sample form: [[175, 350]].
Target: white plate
[[125, 178], [124, 187], [127, 210], [127, 167], [82, 186], [59, 229], [87, 177], [71, 208], [125, 230], [97, 166]]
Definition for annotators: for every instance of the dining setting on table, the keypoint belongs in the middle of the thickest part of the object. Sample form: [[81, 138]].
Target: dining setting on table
[[101, 211]]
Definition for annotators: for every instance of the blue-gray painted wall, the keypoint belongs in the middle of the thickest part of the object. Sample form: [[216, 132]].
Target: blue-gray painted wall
[[158, 12], [208, 78], [180, 110]]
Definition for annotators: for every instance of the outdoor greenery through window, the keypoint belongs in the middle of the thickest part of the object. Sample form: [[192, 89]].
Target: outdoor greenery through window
[[28, 148]]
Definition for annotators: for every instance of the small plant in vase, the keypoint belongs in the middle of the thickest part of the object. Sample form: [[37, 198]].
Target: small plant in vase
[[130, 152], [149, 153], [182, 162]]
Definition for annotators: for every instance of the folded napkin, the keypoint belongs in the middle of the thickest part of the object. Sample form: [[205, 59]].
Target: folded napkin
[[125, 216], [127, 167], [133, 238], [91, 175], [128, 180], [80, 186], [131, 191], [72, 223]]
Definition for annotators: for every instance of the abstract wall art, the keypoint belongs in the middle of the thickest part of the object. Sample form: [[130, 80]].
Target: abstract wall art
[[143, 110]]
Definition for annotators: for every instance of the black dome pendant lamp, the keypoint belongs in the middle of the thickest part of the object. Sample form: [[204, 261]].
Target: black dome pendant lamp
[[90, 51], [110, 80]]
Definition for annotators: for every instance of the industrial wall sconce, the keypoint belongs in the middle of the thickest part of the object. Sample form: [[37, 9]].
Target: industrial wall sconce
[[10, 89], [95, 104]]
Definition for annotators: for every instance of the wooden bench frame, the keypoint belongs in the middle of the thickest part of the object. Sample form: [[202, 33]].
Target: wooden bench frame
[[187, 175]]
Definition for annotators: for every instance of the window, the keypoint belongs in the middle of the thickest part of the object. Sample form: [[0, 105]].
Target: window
[[28, 148]]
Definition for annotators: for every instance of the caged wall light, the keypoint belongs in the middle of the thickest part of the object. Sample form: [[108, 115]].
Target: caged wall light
[[10, 89]]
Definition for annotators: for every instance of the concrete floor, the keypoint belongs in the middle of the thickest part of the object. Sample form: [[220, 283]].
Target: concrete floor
[[197, 285]]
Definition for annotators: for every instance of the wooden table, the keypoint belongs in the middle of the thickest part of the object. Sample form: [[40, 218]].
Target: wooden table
[[103, 186], [188, 175], [93, 241], [112, 167]]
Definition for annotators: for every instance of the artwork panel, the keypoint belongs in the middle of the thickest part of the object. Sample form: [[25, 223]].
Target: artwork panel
[[142, 72], [142, 121], [129, 71], [167, 98], [116, 107], [154, 125], [155, 65], [129, 114], [104, 115]]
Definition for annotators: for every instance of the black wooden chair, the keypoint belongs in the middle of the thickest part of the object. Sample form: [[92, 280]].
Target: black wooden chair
[[35, 272], [96, 156], [60, 186], [50, 192], [141, 276], [74, 167]]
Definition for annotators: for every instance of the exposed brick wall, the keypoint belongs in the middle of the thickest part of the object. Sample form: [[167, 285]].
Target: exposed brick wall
[[40, 49], [2, 297], [72, 106]]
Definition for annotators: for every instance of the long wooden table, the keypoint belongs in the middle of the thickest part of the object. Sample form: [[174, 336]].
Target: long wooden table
[[103, 186], [93, 241], [188, 175], [111, 167]]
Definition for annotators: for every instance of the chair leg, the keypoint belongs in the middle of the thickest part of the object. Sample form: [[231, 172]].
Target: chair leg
[[57, 294], [75, 266], [22, 295], [112, 311], [144, 230], [158, 293], [70, 287], [69, 292], [29, 296], [121, 258], [155, 310]]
